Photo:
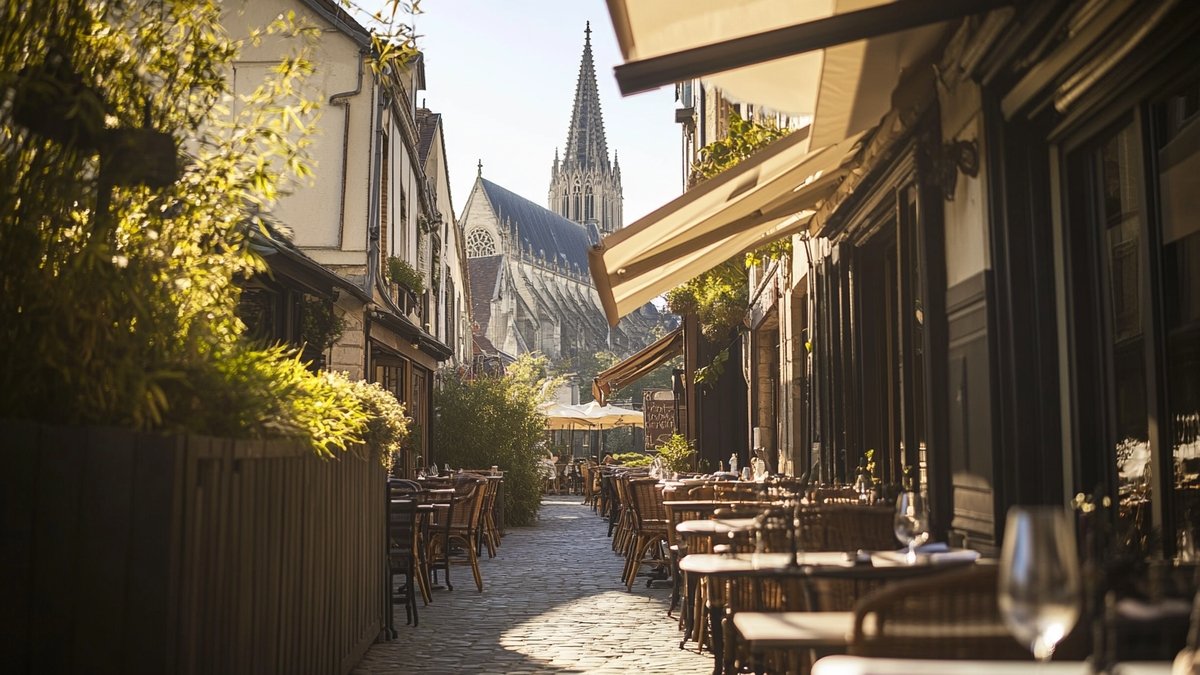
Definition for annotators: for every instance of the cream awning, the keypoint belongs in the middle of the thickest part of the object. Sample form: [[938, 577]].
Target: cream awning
[[763, 199], [638, 365], [845, 87]]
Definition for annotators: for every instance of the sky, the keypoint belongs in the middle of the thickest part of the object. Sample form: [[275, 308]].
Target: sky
[[502, 73]]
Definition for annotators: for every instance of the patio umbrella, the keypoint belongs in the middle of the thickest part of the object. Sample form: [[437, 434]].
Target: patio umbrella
[[610, 416], [559, 416]]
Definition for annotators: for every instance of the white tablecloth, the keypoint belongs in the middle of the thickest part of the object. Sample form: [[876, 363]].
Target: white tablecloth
[[855, 665]]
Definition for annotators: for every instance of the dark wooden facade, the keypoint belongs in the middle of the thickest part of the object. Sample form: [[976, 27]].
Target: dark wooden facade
[[1068, 358], [714, 412], [132, 552]]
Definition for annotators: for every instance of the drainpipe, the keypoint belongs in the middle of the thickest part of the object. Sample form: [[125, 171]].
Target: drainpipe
[[374, 190], [342, 99]]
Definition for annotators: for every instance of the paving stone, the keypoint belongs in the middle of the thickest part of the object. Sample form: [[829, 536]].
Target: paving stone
[[552, 603]]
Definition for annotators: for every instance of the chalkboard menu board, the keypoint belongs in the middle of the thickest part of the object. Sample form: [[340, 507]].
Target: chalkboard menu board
[[658, 412]]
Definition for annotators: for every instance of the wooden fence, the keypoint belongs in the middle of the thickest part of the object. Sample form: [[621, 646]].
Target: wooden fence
[[137, 553]]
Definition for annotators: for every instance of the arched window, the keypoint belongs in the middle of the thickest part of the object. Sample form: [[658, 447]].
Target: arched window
[[480, 243], [589, 205], [576, 207]]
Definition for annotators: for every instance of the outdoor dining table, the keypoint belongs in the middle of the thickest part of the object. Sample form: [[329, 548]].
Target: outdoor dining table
[[858, 665], [718, 568], [700, 536], [697, 510]]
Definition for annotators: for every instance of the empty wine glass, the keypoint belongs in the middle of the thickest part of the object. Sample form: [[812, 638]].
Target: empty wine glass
[[1039, 589], [911, 522]]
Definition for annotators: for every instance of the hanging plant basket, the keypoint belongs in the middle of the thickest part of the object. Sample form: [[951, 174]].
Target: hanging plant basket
[[139, 157], [51, 100]]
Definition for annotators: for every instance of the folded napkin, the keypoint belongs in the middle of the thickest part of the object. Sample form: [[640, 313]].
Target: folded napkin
[[957, 555], [941, 554]]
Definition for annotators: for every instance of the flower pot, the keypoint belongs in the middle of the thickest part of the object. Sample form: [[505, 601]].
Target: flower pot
[[139, 157], [51, 100]]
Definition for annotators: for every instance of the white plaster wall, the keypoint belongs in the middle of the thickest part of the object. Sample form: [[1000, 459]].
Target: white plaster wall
[[313, 208], [453, 255], [965, 216]]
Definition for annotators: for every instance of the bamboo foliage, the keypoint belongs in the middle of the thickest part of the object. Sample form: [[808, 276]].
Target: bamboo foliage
[[118, 302]]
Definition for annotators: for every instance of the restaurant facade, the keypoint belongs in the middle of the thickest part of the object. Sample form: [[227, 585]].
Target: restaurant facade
[[995, 270]]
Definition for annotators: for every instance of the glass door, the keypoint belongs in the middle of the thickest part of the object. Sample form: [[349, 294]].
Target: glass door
[[1175, 120], [1109, 277]]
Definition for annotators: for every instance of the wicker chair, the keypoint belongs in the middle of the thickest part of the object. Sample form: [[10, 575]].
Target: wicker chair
[[488, 532], [850, 527], [841, 494], [402, 559], [693, 492], [621, 525], [651, 523], [590, 472], [729, 492], [951, 615], [462, 530]]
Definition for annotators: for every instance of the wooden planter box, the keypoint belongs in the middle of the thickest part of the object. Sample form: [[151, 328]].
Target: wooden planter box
[[132, 552]]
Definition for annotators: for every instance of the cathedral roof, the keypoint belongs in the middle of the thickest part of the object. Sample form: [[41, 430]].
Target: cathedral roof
[[427, 122], [484, 274], [586, 146], [539, 228]]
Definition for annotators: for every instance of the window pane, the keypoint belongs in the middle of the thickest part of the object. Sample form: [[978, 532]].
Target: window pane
[[1179, 196], [1121, 236]]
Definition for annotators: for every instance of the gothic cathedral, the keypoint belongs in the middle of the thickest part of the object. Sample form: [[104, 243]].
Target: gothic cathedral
[[529, 280]]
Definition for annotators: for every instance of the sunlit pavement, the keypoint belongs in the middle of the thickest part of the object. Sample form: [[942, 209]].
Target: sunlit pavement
[[552, 603]]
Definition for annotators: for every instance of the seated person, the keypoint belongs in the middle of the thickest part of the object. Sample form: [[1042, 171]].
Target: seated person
[[549, 474]]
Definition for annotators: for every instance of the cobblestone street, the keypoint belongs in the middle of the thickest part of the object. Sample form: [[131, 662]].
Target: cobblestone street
[[552, 603]]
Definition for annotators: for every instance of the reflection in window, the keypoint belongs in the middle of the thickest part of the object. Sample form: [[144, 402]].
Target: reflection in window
[[1178, 155], [1120, 226]]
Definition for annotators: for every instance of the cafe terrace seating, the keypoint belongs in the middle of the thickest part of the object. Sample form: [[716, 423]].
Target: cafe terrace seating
[[781, 619]]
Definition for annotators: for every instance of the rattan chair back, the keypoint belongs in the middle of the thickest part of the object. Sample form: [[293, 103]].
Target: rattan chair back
[[951, 615], [850, 527]]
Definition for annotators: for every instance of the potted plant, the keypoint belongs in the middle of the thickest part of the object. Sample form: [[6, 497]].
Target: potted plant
[[676, 453], [401, 272], [320, 327], [52, 100], [139, 156]]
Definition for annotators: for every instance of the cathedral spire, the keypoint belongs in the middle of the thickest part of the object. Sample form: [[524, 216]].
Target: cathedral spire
[[586, 146], [584, 187]]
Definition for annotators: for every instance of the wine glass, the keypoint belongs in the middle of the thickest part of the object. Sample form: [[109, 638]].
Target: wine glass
[[911, 522], [1039, 589]]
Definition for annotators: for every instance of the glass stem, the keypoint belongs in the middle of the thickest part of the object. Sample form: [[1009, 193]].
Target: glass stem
[[1043, 650]]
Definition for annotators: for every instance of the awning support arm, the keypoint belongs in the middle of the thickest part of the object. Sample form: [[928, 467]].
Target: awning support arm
[[646, 74]]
